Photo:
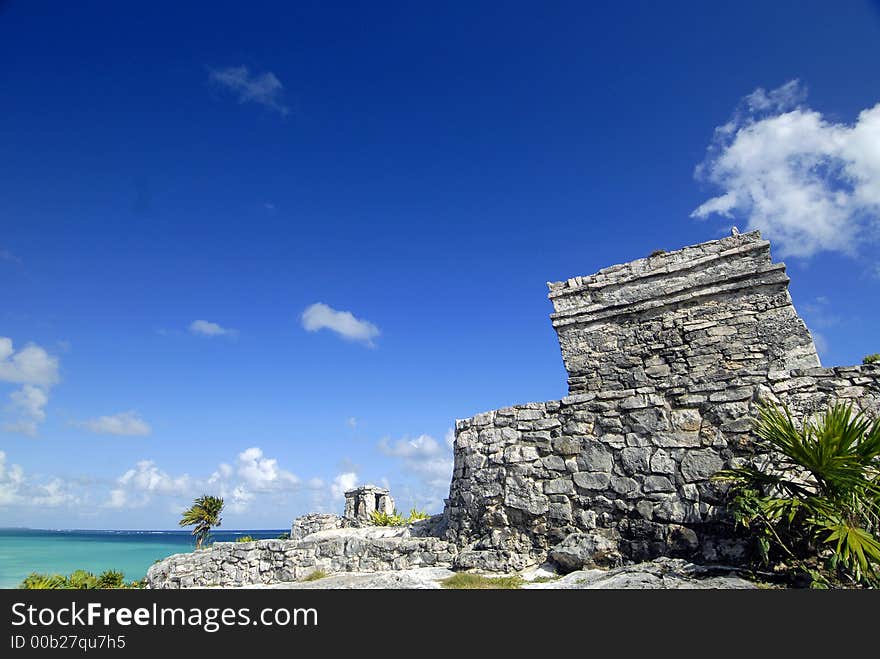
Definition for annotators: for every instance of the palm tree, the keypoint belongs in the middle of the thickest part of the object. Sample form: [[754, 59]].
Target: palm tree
[[203, 515], [817, 491]]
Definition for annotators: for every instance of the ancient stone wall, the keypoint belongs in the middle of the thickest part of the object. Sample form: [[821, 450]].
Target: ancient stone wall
[[676, 317], [231, 564], [667, 358]]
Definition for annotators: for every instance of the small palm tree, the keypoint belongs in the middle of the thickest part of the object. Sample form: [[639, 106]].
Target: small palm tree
[[818, 491], [203, 515]]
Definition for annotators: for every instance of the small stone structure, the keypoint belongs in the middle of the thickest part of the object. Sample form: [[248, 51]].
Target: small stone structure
[[362, 502], [667, 359]]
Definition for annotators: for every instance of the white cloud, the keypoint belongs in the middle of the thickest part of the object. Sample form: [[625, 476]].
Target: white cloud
[[351, 422], [807, 183], [343, 483], [207, 328], [425, 458], [321, 316], [27, 405], [37, 371], [16, 489], [128, 424], [264, 88], [137, 486], [263, 474], [30, 365]]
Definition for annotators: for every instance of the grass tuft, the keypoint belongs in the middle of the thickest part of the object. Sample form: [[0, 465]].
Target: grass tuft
[[470, 581], [314, 576]]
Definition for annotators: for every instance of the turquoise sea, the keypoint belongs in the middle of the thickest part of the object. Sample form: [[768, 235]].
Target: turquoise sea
[[23, 551]]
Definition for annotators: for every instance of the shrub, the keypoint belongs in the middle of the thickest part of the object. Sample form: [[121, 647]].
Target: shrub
[[111, 579], [244, 538], [467, 580], [380, 518], [37, 581], [78, 580], [813, 504], [314, 576], [284, 536], [872, 359]]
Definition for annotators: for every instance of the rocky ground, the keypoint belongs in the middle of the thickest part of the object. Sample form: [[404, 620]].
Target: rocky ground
[[663, 573]]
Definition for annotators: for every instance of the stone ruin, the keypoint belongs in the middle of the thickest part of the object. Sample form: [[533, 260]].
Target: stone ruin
[[667, 358], [362, 502]]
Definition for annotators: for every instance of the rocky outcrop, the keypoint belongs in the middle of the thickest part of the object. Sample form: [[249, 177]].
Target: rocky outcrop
[[667, 357]]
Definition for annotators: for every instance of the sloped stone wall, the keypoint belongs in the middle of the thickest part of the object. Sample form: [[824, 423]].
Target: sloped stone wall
[[667, 359]]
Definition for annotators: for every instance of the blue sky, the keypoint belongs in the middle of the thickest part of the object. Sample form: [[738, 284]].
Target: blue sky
[[271, 251]]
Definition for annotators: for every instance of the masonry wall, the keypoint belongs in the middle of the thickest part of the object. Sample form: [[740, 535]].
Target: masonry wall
[[667, 359], [231, 564], [663, 321]]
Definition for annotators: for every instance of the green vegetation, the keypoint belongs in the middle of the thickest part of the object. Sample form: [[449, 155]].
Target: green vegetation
[[314, 576], [470, 581], [872, 359], [203, 515], [378, 518], [284, 536], [244, 538], [813, 505], [78, 580], [545, 579]]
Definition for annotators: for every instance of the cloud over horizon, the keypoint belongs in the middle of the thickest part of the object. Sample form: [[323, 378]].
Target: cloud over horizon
[[16, 488], [264, 88], [320, 316], [808, 183]]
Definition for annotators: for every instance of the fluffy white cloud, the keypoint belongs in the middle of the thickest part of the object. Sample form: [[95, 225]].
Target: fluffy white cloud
[[27, 406], [342, 483], [206, 328], [263, 474], [30, 365], [321, 316], [127, 424], [137, 486], [426, 459], [809, 184], [37, 371], [16, 489], [264, 88]]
